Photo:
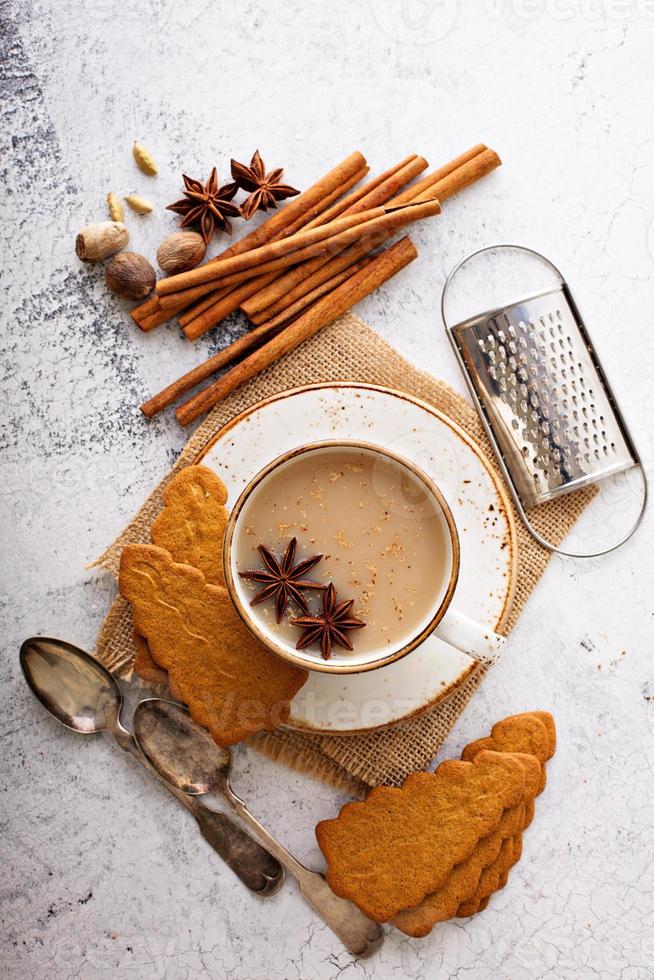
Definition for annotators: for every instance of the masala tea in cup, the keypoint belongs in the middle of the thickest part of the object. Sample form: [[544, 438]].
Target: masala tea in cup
[[387, 544]]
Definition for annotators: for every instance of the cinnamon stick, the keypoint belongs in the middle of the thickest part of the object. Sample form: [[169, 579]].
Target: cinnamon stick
[[148, 323], [229, 355], [195, 309], [145, 309], [377, 191], [449, 168], [444, 183], [375, 230], [224, 304], [291, 311], [202, 304], [326, 204], [324, 311], [306, 206], [461, 178], [297, 282]]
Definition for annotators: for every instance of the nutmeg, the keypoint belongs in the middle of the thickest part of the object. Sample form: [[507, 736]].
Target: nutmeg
[[96, 242], [130, 275], [181, 251]]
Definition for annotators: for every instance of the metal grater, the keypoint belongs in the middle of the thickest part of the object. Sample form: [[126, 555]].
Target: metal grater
[[542, 395]]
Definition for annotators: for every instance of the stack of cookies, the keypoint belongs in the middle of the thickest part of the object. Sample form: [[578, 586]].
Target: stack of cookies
[[442, 844], [187, 631]]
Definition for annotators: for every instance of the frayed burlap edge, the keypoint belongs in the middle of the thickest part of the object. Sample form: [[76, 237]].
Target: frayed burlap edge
[[348, 350]]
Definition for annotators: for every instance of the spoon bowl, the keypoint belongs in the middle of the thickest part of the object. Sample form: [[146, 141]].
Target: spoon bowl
[[76, 689], [181, 751]]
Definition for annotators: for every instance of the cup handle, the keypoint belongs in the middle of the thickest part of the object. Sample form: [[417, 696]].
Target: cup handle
[[473, 639]]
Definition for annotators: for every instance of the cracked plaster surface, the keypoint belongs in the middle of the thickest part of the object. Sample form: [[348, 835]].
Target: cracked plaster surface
[[103, 876]]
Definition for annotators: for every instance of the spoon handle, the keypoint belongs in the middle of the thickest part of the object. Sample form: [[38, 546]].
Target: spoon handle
[[359, 934], [252, 863]]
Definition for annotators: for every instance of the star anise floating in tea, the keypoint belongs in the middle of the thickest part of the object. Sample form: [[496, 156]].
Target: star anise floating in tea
[[265, 188], [207, 206], [282, 579], [331, 627]]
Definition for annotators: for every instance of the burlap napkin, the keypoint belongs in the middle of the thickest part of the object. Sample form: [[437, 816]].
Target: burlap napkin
[[348, 350]]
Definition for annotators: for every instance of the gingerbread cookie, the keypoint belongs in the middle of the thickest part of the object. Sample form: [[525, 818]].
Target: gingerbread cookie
[[478, 876], [517, 850], [528, 732], [548, 720], [489, 880], [516, 723], [144, 665], [192, 524], [400, 845], [191, 527], [461, 883], [501, 874], [230, 682]]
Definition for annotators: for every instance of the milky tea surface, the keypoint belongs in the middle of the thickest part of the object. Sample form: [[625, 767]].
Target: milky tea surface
[[380, 532]]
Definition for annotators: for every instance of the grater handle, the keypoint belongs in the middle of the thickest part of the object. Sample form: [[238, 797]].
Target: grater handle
[[575, 554], [492, 248], [482, 415]]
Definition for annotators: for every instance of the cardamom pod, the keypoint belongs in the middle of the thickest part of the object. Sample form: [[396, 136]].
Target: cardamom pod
[[115, 207], [144, 160], [139, 204]]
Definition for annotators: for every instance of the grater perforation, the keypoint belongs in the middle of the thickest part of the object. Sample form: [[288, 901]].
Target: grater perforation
[[542, 394]]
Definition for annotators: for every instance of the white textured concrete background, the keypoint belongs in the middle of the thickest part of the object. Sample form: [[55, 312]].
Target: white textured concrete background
[[103, 876]]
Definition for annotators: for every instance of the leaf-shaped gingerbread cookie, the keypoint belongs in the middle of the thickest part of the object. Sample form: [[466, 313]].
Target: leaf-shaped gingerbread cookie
[[191, 527], [230, 682], [521, 732], [400, 845], [192, 524], [479, 875], [147, 669], [531, 731], [517, 733]]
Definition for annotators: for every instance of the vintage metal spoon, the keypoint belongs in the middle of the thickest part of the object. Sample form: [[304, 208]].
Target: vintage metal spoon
[[186, 756], [85, 697]]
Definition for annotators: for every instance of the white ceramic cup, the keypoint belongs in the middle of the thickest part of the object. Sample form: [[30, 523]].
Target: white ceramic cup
[[452, 627]]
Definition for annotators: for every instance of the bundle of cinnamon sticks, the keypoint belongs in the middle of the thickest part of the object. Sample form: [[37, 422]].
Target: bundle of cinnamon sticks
[[308, 263]]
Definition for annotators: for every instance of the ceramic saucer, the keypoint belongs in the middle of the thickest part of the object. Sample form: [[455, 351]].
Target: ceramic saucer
[[349, 703]]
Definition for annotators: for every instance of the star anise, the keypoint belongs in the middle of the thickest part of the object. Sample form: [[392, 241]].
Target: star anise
[[282, 579], [330, 628], [265, 188], [207, 206]]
